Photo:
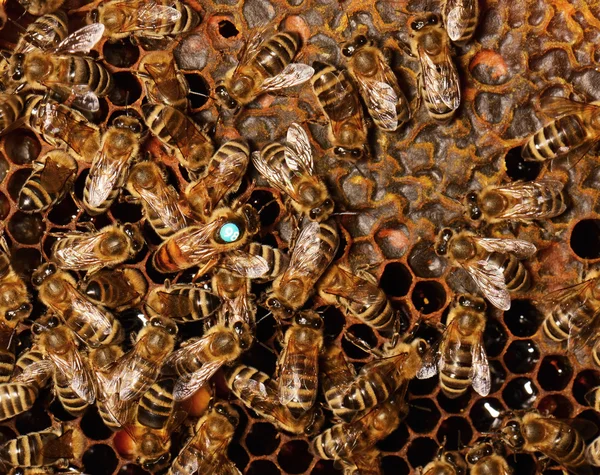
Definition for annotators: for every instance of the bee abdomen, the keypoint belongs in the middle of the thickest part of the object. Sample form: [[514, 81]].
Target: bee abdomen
[[156, 405], [70, 400], [277, 53], [556, 326], [516, 275], [325, 445], [276, 259], [187, 21], [593, 398], [10, 109], [7, 364], [300, 400], [243, 372], [16, 398], [455, 377], [572, 448], [33, 196], [555, 139], [379, 316]]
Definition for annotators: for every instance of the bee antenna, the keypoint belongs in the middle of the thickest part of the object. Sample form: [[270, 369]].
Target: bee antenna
[[208, 96], [19, 26], [271, 350], [274, 200], [345, 213]]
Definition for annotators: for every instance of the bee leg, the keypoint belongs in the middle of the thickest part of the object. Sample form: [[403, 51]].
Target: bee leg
[[129, 199], [362, 345], [405, 47]]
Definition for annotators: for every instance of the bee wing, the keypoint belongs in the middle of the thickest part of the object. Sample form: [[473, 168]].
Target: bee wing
[[294, 384], [583, 335], [306, 251], [81, 254], [277, 177], [352, 288], [557, 107], [440, 80], [134, 374], [106, 173], [147, 16], [381, 100], [188, 384], [85, 98], [224, 466], [193, 242], [244, 264], [254, 390], [86, 314], [165, 78], [55, 177], [82, 40], [292, 75], [528, 199], [517, 247], [481, 379], [77, 373], [185, 133], [432, 359], [298, 154], [490, 280], [458, 15], [163, 200], [34, 372], [219, 181]]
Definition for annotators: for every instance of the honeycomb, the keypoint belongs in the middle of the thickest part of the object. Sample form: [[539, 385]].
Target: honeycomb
[[399, 198]]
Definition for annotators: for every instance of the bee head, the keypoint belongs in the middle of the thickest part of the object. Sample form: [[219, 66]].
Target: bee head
[[441, 245], [17, 73], [136, 240], [427, 20], [244, 334], [309, 319], [128, 122], [473, 206], [278, 309], [42, 273], [512, 435], [344, 152], [472, 302], [167, 324], [224, 98], [479, 452], [227, 411], [19, 313], [322, 212], [94, 16]]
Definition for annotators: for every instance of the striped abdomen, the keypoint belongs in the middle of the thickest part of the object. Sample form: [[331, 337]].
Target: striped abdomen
[[28, 450], [516, 275], [187, 22], [78, 70], [331, 444], [460, 19], [276, 53], [49, 29], [90, 331], [276, 259], [556, 139], [335, 92], [98, 201], [568, 448], [11, 106], [568, 318], [593, 398], [183, 303], [379, 314], [69, 399], [157, 405], [455, 375], [298, 372], [7, 353], [242, 373], [16, 398]]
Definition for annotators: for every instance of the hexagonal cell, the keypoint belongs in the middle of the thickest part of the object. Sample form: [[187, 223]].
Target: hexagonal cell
[[555, 373], [4, 206], [456, 432], [425, 262], [26, 228], [334, 321], [583, 383], [294, 456], [264, 202], [325, 467], [127, 89], [396, 440], [498, 374], [494, 337], [64, 212], [454, 405], [521, 356], [121, 53], [34, 420], [523, 319], [393, 239], [556, 405], [422, 387], [423, 415], [520, 393], [100, 459], [392, 465], [93, 426], [585, 239], [396, 279], [486, 413], [421, 451], [4, 167], [263, 467], [519, 169], [22, 146], [364, 333], [16, 182], [263, 439], [199, 90], [238, 455], [227, 29], [428, 296], [523, 464]]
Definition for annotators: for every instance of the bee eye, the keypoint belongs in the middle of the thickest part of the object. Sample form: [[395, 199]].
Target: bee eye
[[155, 322], [314, 213], [361, 40], [94, 15], [348, 51], [463, 301], [356, 153], [472, 197], [421, 347], [339, 151], [475, 214], [37, 329], [433, 20], [53, 322]]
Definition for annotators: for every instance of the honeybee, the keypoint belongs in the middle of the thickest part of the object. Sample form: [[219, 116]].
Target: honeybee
[[572, 130], [182, 302], [276, 259], [592, 397], [216, 243], [15, 305], [592, 452], [138, 369], [119, 147], [45, 33], [363, 463], [558, 440], [237, 301], [519, 201], [52, 447], [348, 395], [340, 103], [164, 83], [62, 126], [346, 440], [494, 264], [378, 86], [259, 392], [198, 359], [438, 81], [460, 356], [485, 459], [108, 247], [222, 177], [11, 106], [299, 362], [265, 66], [52, 177], [460, 19], [313, 251], [147, 183], [190, 144], [150, 448], [290, 169], [446, 463], [58, 68], [206, 451], [41, 7], [117, 289], [359, 295], [157, 406], [146, 19], [57, 290]]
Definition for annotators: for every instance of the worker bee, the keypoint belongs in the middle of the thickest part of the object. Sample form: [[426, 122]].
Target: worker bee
[[313, 251], [119, 148], [438, 81], [519, 201], [378, 86], [58, 68], [138, 369], [198, 359], [182, 302], [190, 144], [216, 243], [359, 295], [237, 301], [52, 177], [259, 392], [349, 395], [51, 447], [62, 126], [340, 103], [57, 290], [572, 130], [206, 451], [556, 439], [265, 66], [346, 440], [15, 305], [157, 406], [290, 169], [494, 264], [164, 83], [117, 289], [45, 33], [276, 259], [460, 356], [11, 106], [108, 247], [222, 176], [445, 463], [485, 459], [145, 19], [147, 183], [460, 19], [364, 463], [299, 362]]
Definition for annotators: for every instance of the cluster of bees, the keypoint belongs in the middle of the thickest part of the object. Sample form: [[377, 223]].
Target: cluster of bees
[[78, 343]]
